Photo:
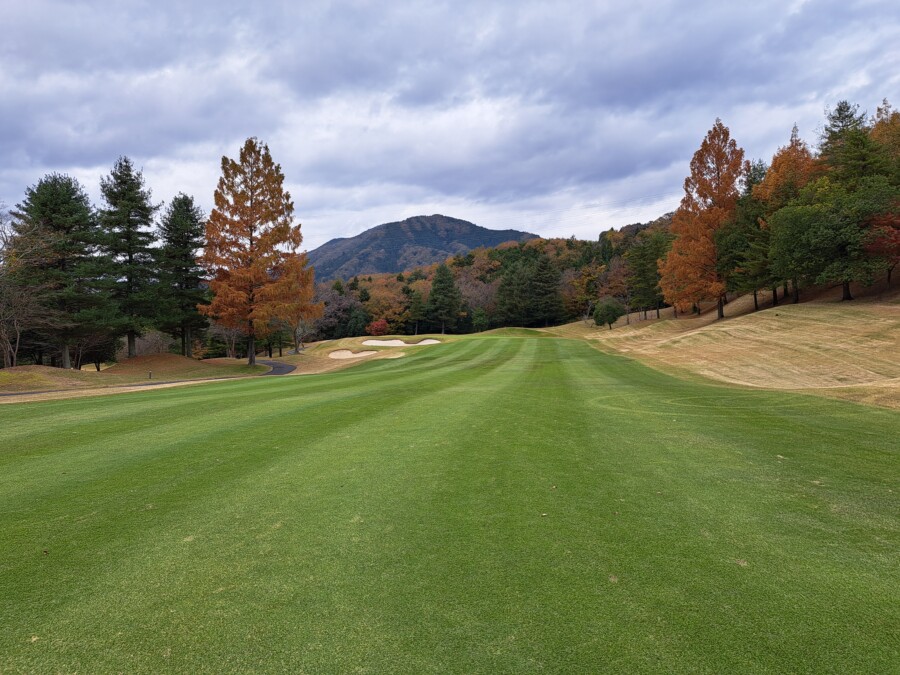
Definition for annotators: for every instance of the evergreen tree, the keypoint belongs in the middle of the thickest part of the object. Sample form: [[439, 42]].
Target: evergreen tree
[[480, 321], [650, 246], [841, 139], [444, 300], [546, 300], [416, 310], [742, 243], [56, 224], [513, 301], [181, 233], [126, 243]]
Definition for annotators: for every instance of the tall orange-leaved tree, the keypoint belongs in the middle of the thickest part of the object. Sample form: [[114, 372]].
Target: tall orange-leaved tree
[[249, 237], [793, 166], [690, 273], [290, 300]]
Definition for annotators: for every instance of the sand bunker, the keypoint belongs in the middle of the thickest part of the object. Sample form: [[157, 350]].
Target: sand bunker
[[347, 354], [399, 343]]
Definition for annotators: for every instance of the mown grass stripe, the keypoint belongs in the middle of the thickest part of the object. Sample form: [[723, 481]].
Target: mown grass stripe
[[390, 517]]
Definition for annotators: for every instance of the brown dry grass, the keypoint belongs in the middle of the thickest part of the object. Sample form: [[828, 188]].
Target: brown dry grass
[[846, 350], [164, 367]]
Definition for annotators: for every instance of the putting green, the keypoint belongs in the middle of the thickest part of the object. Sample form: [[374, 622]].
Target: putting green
[[498, 504]]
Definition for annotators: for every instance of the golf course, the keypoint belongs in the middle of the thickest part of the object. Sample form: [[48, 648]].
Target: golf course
[[511, 501]]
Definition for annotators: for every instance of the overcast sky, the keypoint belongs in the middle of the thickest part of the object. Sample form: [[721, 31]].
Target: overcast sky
[[560, 118]]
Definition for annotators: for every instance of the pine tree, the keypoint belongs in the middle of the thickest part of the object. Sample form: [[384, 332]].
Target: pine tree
[[416, 310], [180, 275], [649, 247], [513, 299], [444, 300], [249, 235], [126, 242], [546, 300], [56, 224]]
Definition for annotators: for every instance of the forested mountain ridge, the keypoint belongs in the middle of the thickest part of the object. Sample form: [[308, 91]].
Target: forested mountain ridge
[[399, 246]]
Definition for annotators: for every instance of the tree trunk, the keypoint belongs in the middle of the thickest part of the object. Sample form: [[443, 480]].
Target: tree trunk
[[657, 310], [251, 346], [890, 269], [755, 301], [786, 288], [183, 342], [188, 346], [279, 347], [417, 327], [132, 349], [796, 291], [774, 296], [442, 327], [720, 308], [66, 358], [846, 291], [97, 365]]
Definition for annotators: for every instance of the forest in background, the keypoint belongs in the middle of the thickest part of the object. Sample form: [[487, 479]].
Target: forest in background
[[809, 217], [75, 279]]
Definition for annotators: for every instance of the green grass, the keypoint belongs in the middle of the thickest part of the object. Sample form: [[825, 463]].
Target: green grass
[[490, 505]]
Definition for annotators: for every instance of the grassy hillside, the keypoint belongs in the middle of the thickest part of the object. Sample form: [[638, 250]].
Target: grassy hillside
[[849, 350], [498, 504]]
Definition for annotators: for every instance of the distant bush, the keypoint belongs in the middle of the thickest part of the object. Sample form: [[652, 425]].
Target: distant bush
[[379, 327], [608, 311]]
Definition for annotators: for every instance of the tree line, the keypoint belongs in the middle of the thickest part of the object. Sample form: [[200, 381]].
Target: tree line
[[75, 280], [809, 217]]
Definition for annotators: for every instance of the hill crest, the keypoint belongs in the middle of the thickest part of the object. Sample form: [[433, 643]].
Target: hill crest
[[401, 245]]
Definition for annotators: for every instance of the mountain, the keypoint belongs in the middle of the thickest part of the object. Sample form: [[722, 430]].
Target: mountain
[[394, 247]]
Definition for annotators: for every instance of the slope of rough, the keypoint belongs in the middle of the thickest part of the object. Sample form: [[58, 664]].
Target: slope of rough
[[849, 350]]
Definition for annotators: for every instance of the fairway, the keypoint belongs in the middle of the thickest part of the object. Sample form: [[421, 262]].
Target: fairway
[[494, 504]]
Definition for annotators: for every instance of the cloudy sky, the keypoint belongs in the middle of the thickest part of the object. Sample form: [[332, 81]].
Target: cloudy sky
[[560, 118]]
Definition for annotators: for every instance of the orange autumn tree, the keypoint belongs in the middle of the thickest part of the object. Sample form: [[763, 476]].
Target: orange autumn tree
[[690, 273], [250, 239], [793, 166], [290, 300]]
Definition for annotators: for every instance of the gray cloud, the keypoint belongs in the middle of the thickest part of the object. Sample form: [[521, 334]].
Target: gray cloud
[[507, 111]]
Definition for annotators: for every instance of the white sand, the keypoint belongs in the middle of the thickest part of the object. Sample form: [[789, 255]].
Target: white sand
[[399, 343], [347, 354]]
